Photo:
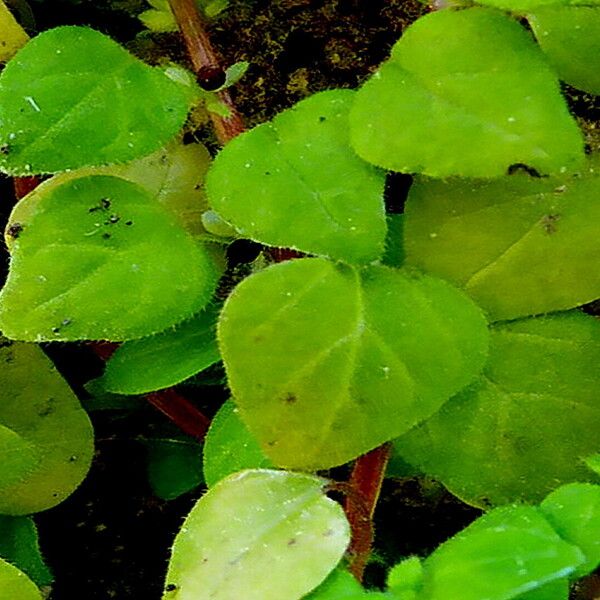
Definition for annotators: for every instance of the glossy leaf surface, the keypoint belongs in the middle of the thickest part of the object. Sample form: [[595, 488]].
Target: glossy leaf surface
[[471, 80], [326, 361], [99, 259], [529, 422], [229, 446], [258, 535], [19, 546], [15, 585], [164, 359], [44, 416], [519, 245], [509, 551], [301, 164], [570, 38], [72, 97], [574, 512]]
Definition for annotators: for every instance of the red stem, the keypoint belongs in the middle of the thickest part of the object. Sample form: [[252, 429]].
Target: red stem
[[365, 483], [202, 54]]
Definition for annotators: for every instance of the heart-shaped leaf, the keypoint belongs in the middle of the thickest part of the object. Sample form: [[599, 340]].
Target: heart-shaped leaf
[[529, 422], [258, 535], [465, 93], [101, 259], [519, 245], [44, 414], [570, 37], [327, 361], [72, 98], [174, 176], [295, 182]]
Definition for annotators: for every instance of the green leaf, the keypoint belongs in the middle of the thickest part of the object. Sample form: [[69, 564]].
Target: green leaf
[[570, 37], [406, 576], [19, 546], [593, 462], [174, 176], [15, 585], [258, 535], [174, 466], [72, 98], [509, 551], [555, 590], [327, 361], [164, 359], [340, 585], [527, 424], [229, 446], [37, 406], [520, 6], [100, 259], [519, 245], [465, 93], [574, 512], [301, 164]]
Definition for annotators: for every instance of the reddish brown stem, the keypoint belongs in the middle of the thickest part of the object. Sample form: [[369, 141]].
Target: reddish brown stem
[[201, 52], [24, 185], [365, 483], [181, 411]]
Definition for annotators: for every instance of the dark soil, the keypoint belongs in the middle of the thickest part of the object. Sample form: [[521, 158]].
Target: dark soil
[[111, 538]]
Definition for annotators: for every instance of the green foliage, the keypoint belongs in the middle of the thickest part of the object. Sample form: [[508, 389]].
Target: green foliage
[[174, 466], [15, 585], [570, 38], [344, 359], [164, 359], [229, 446], [329, 355], [520, 6], [471, 80], [518, 245], [505, 553], [85, 266], [527, 424], [19, 546], [340, 585], [292, 165], [574, 512], [260, 535], [72, 98], [41, 418]]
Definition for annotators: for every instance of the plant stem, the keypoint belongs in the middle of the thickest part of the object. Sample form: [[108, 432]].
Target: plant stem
[[24, 185], [181, 411], [202, 54], [365, 481]]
